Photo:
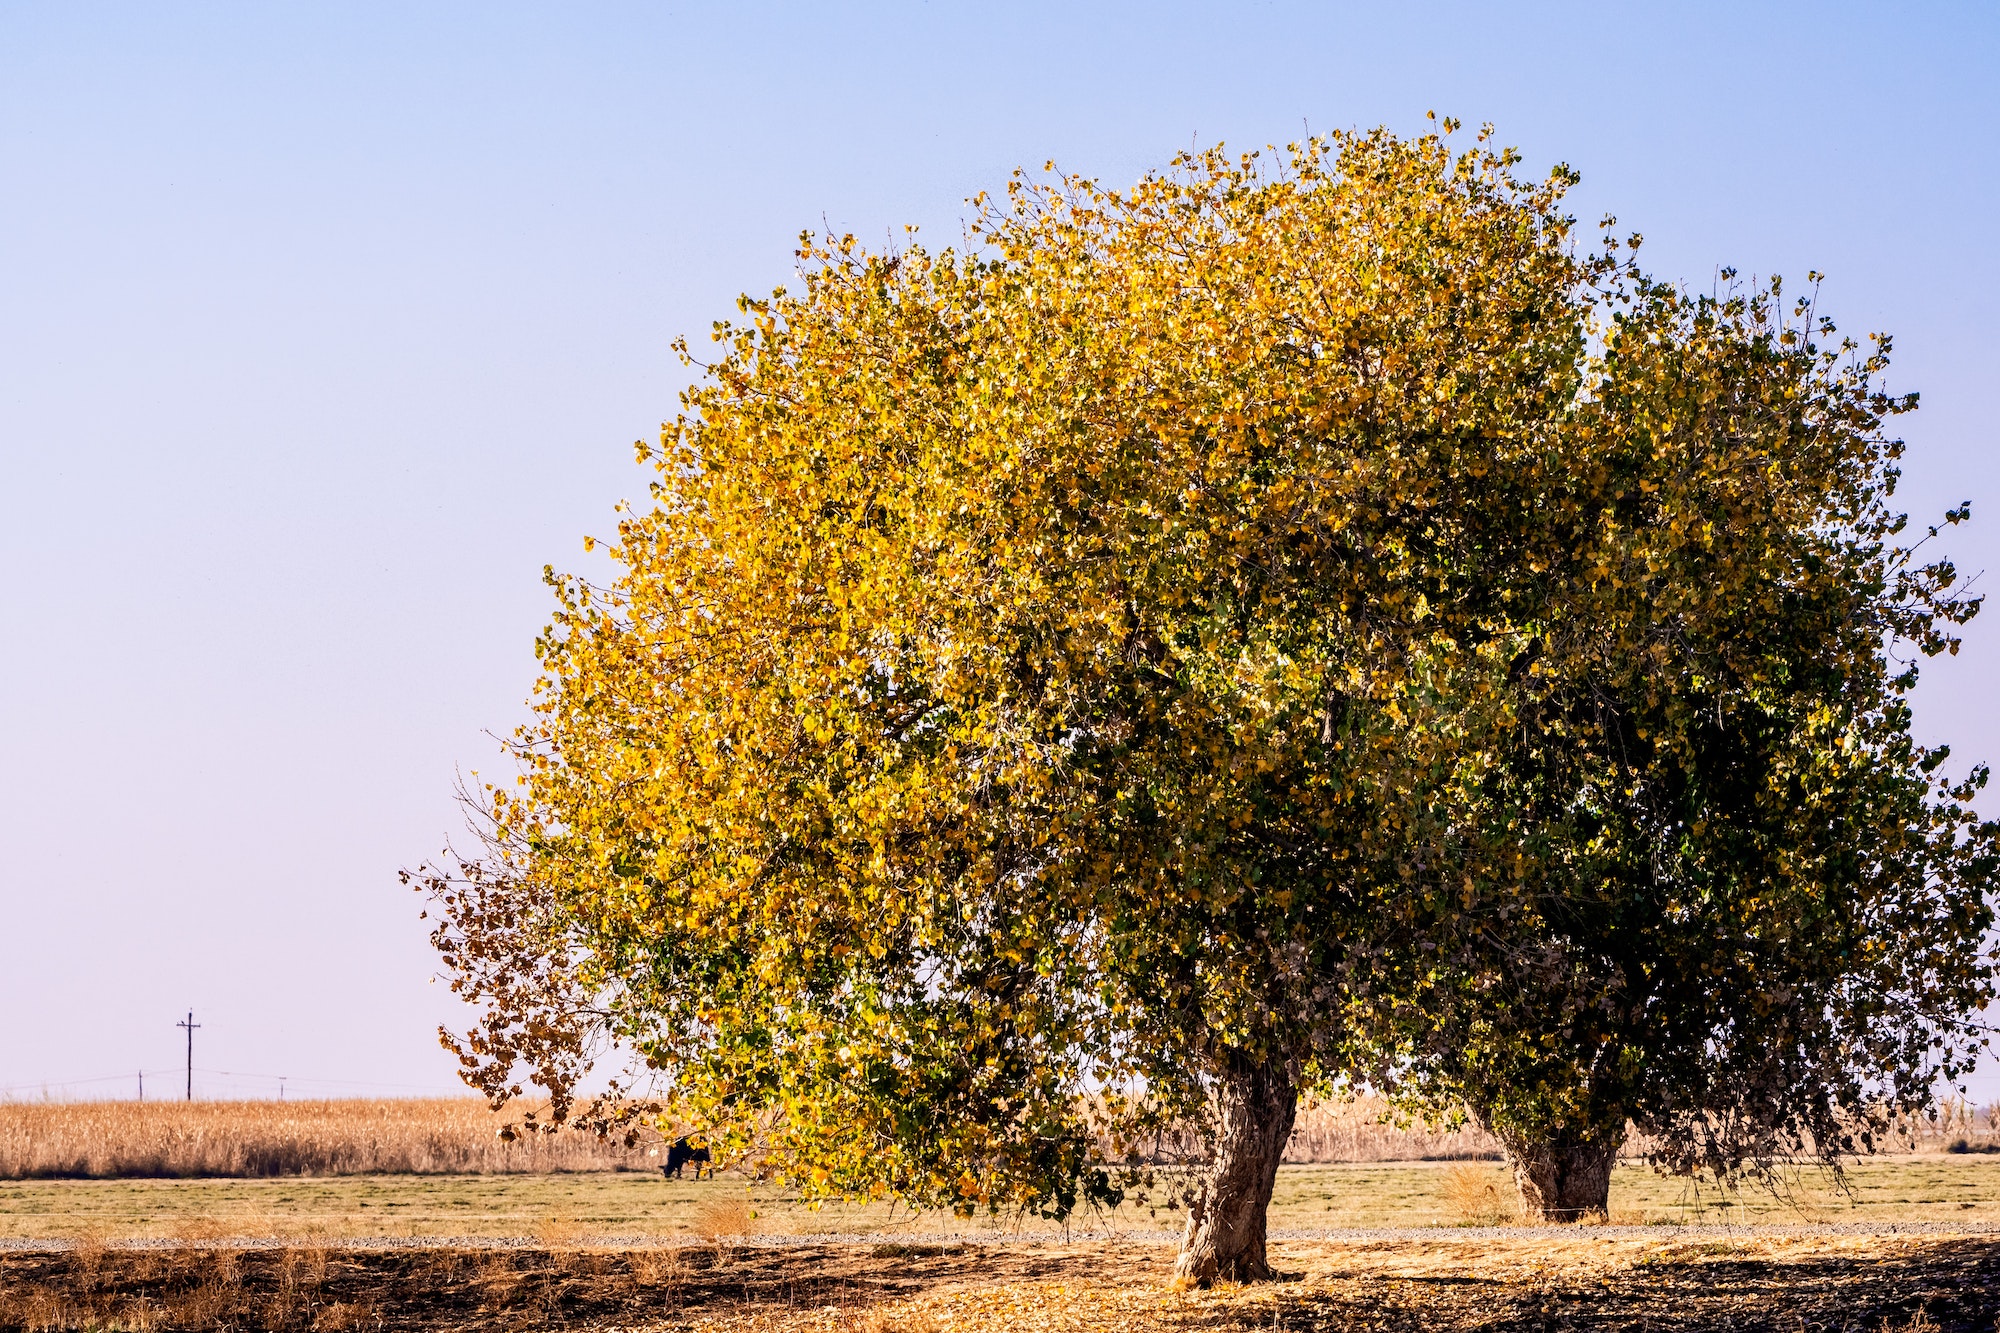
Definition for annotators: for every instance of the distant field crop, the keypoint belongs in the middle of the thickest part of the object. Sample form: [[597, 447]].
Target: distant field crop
[[1359, 1131], [460, 1136], [432, 1136]]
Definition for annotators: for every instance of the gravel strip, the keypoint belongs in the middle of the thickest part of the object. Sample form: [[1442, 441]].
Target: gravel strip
[[1023, 1240]]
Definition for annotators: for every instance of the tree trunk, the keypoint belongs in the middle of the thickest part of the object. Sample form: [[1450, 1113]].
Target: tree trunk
[[1565, 1176], [1225, 1226]]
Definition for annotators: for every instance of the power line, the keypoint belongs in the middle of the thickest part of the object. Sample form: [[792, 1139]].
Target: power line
[[96, 1078], [9, 1090], [301, 1078], [190, 1025]]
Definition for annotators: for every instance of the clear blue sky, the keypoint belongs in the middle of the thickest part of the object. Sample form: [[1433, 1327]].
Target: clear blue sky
[[324, 328]]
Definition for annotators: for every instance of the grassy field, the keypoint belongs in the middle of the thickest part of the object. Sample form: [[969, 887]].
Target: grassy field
[[597, 1246], [1937, 1189]]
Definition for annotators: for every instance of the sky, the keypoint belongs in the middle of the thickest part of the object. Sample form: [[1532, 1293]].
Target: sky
[[323, 329]]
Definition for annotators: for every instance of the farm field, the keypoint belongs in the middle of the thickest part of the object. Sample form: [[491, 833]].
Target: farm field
[[354, 1136], [1935, 1189], [256, 1215], [459, 1135]]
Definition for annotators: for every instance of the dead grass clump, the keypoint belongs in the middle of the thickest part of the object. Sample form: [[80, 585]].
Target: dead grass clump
[[559, 1234], [1478, 1196], [140, 1315], [499, 1283], [658, 1268], [342, 1315], [301, 1283], [440, 1266], [181, 1264], [33, 1309], [301, 1278], [87, 1254], [203, 1306], [723, 1221], [197, 1229], [311, 1261]]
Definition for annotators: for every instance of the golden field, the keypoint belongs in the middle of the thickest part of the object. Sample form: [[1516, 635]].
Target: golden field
[[460, 1136], [266, 1216], [434, 1136], [1360, 1131]]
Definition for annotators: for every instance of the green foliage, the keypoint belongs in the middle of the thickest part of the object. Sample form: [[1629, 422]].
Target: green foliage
[[1747, 913]]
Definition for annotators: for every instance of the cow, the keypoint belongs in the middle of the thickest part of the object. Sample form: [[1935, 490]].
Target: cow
[[680, 1153]]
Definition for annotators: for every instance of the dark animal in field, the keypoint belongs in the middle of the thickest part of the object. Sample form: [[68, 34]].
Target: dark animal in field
[[679, 1154]]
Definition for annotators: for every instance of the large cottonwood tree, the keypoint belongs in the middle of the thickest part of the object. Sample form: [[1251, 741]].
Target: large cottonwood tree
[[1731, 902], [1044, 696]]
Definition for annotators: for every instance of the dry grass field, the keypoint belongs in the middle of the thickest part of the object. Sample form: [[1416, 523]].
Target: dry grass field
[[1361, 1131], [274, 1216], [49, 1140], [1936, 1190], [459, 1135]]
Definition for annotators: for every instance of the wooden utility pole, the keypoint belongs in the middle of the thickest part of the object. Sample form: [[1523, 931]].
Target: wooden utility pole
[[190, 1025]]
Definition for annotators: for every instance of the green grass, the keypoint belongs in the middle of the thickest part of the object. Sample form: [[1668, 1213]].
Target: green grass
[[1933, 1189], [1937, 1189]]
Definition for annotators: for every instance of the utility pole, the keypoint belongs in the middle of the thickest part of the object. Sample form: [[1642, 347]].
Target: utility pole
[[142, 1085], [190, 1025]]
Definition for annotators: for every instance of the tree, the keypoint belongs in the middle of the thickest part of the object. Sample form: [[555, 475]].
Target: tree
[[1069, 689], [1741, 909]]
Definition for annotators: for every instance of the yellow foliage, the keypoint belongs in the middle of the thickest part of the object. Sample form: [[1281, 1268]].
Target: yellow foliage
[[1054, 681]]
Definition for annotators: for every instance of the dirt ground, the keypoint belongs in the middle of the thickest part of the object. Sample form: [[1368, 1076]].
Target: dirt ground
[[1662, 1284]]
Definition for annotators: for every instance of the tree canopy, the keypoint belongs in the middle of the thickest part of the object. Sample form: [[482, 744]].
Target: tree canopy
[[1269, 628], [1749, 909]]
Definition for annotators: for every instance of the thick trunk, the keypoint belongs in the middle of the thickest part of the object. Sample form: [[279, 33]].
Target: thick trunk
[[1225, 1226], [1566, 1176]]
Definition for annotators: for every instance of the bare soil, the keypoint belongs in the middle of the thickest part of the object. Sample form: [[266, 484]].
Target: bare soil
[[1791, 1283]]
